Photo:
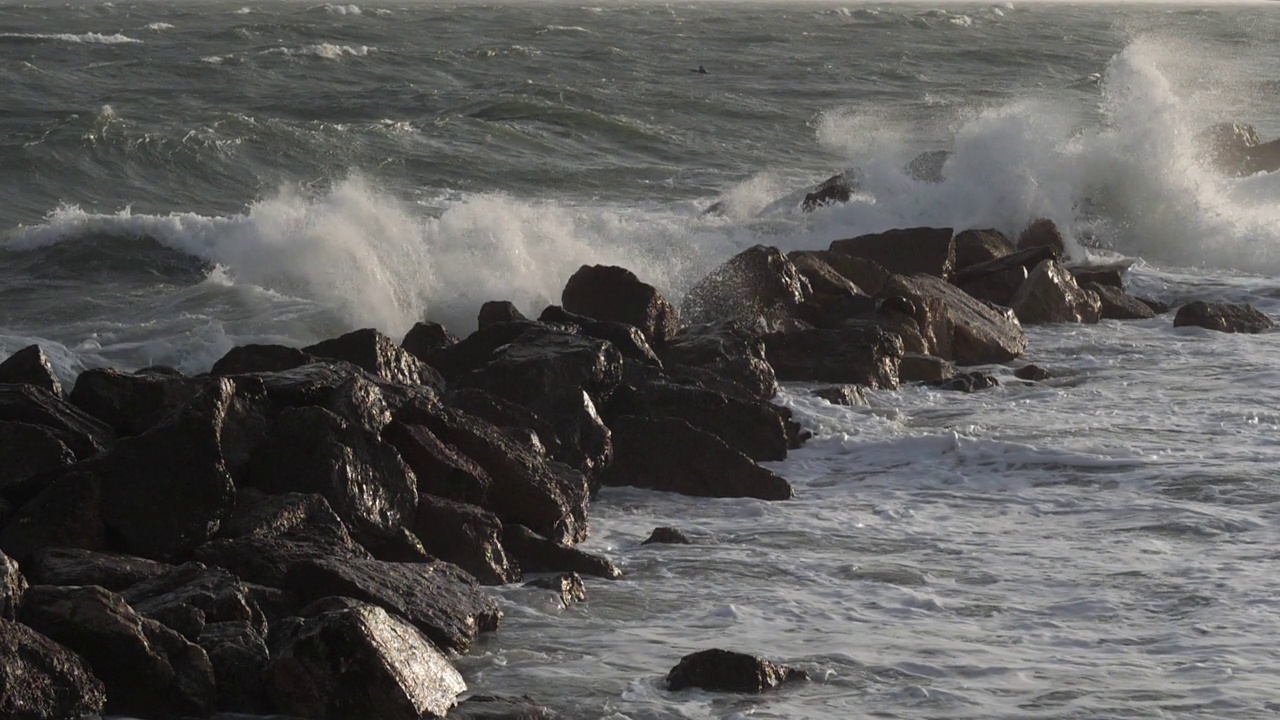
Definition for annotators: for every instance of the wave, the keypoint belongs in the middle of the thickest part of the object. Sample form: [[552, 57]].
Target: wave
[[327, 51], [157, 26], [90, 38]]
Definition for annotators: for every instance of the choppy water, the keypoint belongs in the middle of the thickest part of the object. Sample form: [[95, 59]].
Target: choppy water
[[176, 178]]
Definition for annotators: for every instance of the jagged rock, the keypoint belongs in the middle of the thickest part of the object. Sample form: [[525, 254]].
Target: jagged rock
[[752, 427], [477, 349], [148, 669], [628, 339], [1223, 317], [131, 403], [518, 420], [668, 536], [998, 280], [401, 547], [928, 165], [491, 707], [974, 247], [30, 366], [834, 189], [1043, 232], [535, 553], [956, 326], [467, 536], [726, 350], [673, 456], [727, 671], [12, 586], [545, 363], [905, 251], [238, 654], [67, 513], [361, 663], [827, 283], [1156, 306], [84, 434], [42, 680], [568, 587], [924, 368], [1051, 295], [244, 359], [758, 285], [27, 450], [192, 595], [1032, 372], [378, 355], [854, 353], [966, 382], [615, 294], [440, 470], [1117, 305], [867, 275], [1110, 275], [496, 311], [843, 394], [72, 566], [1234, 149], [425, 338], [441, 600]]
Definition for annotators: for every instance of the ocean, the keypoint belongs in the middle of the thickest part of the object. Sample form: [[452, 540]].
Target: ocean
[[177, 178]]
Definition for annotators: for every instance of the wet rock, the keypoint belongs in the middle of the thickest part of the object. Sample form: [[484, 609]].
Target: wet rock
[[628, 339], [668, 536], [441, 600], [496, 311], [192, 595], [1109, 275], [905, 251], [1235, 149], [67, 513], [928, 165], [1117, 305], [27, 450], [956, 326], [998, 280], [42, 680], [440, 469], [1223, 317], [1043, 233], [833, 190], [401, 547], [425, 338], [615, 294], [467, 536], [72, 566], [568, 587], [361, 663], [727, 350], [966, 382], [378, 355], [1051, 295], [84, 434], [864, 354], [1032, 372], [727, 671], [843, 394], [974, 247], [544, 363], [131, 403], [238, 654], [12, 586], [535, 553], [1156, 306], [480, 347], [148, 669], [30, 366], [758, 285], [245, 359], [752, 427], [673, 456], [867, 275], [924, 368], [491, 707]]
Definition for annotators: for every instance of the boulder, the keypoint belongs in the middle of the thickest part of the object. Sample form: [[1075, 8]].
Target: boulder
[[833, 190], [42, 680], [544, 363], [535, 553], [928, 166], [131, 403], [477, 349], [843, 394], [67, 513], [439, 469], [378, 355], [12, 586], [667, 536], [726, 350], [752, 427], [757, 286], [467, 536], [84, 434], [1109, 274], [425, 338], [830, 288], [1043, 233], [974, 247], [673, 456], [361, 662], [728, 671], [244, 359], [492, 707], [615, 294], [905, 251], [966, 382], [496, 311], [628, 339], [238, 654], [1223, 317], [148, 669], [1051, 295], [1234, 149], [72, 566], [957, 326], [854, 353], [1031, 372], [438, 598], [27, 450], [915, 367], [867, 275], [568, 587], [192, 595], [1117, 305], [30, 366], [997, 280], [1158, 307]]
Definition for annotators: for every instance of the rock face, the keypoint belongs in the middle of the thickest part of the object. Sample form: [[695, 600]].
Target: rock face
[[12, 587], [667, 536], [361, 662], [752, 427], [1116, 305], [924, 368], [26, 450], [867, 275], [842, 394], [834, 189], [190, 596], [380, 356], [614, 294], [238, 653], [84, 434], [998, 280], [928, 166], [131, 403], [260, 359], [727, 671], [905, 251], [467, 536], [1223, 317], [1051, 295], [728, 351], [974, 247], [954, 325], [30, 366], [1043, 233], [864, 354], [496, 311], [42, 680], [757, 286], [424, 338], [628, 339], [538, 554], [568, 587], [71, 566]]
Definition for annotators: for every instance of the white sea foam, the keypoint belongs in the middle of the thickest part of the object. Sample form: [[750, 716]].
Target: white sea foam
[[327, 51], [158, 26], [90, 38]]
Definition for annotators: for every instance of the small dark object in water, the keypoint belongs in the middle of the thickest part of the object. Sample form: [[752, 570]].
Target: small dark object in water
[[701, 70]]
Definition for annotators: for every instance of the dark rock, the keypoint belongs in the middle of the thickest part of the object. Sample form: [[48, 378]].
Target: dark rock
[[854, 353], [535, 553], [1110, 275], [629, 340], [148, 669], [867, 275], [974, 247], [1117, 305], [27, 450], [491, 707], [238, 653], [1156, 306], [84, 434], [928, 165], [673, 456], [752, 427], [518, 420], [131, 403], [1223, 317], [71, 566], [425, 338], [67, 513], [568, 587], [440, 470], [1043, 233], [42, 680], [188, 597], [727, 671], [834, 189], [998, 280], [966, 382], [378, 355], [843, 394], [480, 347], [402, 547], [496, 311], [957, 326], [905, 251], [823, 279], [924, 368], [1032, 372], [467, 536], [545, 363], [30, 366], [1051, 295], [758, 285], [12, 586], [1234, 149], [728, 350], [245, 359], [361, 663], [615, 294], [438, 598], [668, 536]]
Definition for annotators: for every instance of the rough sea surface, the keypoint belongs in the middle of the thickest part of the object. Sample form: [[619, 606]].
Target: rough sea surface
[[180, 177]]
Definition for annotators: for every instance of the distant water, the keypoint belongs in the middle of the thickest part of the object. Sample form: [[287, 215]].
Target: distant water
[[180, 177]]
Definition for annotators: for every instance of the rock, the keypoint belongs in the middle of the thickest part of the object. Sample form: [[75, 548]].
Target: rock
[[545, 363], [84, 434], [27, 450], [496, 311], [905, 251], [1051, 295], [1223, 317], [535, 553], [378, 355], [42, 680], [615, 294], [71, 566], [758, 285], [830, 288], [727, 350], [668, 536], [727, 671], [67, 513], [131, 403], [1109, 275], [867, 275], [148, 669], [440, 469], [834, 189], [30, 366], [12, 587], [244, 359], [402, 547], [1032, 372], [855, 353], [568, 587], [1043, 233], [490, 707], [238, 654], [361, 663], [974, 247], [843, 394], [752, 427], [1156, 306], [1116, 305], [998, 280], [480, 347], [673, 456], [467, 536], [924, 368], [192, 595], [958, 327], [928, 165], [966, 382], [438, 598], [1234, 149], [425, 338], [628, 339]]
